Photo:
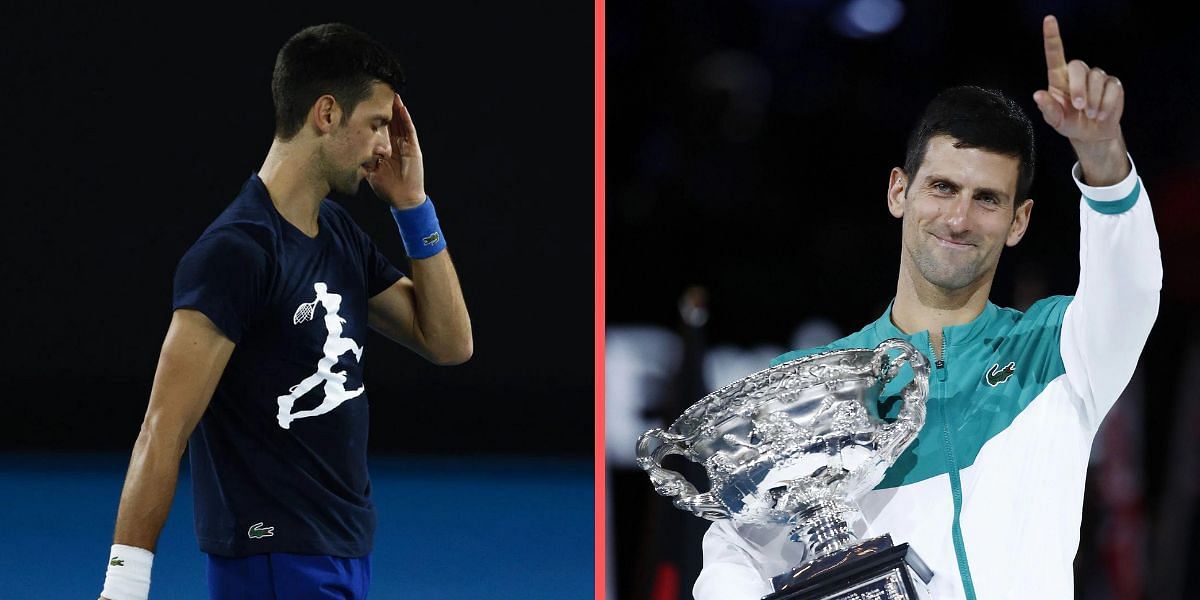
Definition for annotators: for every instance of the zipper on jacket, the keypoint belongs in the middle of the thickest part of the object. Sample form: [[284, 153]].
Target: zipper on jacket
[[960, 549], [940, 365]]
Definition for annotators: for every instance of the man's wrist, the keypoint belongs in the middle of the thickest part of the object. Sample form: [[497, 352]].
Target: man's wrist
[[1103, 163], [411, 202], [420, 230], [128, 575]]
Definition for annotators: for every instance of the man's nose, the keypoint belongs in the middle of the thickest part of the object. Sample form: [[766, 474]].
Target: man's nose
[[384, 148], [958, 211]]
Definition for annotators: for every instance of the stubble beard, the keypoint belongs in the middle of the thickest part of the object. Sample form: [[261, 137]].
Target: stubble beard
[[347, 184], [946, 272], [342, 180], [345, 181]]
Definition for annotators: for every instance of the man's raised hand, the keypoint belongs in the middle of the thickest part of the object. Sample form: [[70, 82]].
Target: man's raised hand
[[400, 179], [1082, 103]]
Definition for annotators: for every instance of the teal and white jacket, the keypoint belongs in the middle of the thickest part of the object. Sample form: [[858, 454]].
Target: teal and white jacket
[[990, 493]]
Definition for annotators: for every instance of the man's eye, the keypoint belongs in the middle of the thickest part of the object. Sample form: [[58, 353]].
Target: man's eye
[[990, 199], [942, 187]]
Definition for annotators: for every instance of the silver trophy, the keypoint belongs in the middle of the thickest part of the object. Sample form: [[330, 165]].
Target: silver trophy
[[798, 444]]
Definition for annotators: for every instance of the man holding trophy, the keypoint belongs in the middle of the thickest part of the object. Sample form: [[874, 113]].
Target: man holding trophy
[[976, 468]]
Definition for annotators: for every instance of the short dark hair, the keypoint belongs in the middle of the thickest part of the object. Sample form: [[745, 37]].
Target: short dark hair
[[976, 118], [333, 59]]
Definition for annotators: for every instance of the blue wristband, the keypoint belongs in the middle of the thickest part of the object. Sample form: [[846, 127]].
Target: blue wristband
[[420, 230]]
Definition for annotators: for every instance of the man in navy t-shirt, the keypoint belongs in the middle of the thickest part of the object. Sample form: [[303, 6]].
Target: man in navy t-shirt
[[262, 365]]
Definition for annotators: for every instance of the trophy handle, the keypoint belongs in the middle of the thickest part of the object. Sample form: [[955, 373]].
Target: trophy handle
[[655, 445], [912, 410]]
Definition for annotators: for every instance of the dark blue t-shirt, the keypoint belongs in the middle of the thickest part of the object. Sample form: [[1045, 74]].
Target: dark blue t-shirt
[[279, 459]]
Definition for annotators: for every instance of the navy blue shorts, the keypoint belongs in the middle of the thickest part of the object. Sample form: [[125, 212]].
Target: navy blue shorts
[[281, 576]]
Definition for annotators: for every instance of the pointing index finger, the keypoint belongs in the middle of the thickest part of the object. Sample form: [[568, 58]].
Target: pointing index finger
[[1056, 58]]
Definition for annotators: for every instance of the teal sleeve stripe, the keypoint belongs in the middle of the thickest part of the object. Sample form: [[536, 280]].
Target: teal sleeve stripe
[[1117, 206]]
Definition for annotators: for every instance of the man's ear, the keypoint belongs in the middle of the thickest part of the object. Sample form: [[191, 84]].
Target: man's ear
[[897, 187], [325, 113], [1020, 222]]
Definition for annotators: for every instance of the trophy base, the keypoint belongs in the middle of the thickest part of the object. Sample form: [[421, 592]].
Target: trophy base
[[872, 570]]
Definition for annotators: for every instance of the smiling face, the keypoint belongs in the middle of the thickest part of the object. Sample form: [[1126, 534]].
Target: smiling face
[[958, 214], [356, 143]]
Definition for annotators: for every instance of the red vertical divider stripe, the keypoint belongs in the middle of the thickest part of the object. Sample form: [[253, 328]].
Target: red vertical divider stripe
[[600, 554]]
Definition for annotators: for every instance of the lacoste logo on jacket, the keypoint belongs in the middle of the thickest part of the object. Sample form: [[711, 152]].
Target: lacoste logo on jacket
[[996, 376], [258, 531]]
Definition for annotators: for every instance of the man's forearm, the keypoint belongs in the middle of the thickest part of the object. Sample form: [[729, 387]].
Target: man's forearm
[[1104, 163], [441, 311], [148, 491]]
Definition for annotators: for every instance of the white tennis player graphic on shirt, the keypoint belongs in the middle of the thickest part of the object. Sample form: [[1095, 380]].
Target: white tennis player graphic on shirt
[[335, 346]]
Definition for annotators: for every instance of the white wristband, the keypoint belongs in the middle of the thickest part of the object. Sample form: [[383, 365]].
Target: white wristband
[[128, 575]]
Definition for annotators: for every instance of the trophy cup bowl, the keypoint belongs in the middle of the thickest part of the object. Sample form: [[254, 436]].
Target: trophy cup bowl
[[798, 444]]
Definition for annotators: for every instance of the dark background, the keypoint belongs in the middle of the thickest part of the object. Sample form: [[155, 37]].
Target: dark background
[[773, 196], [129, 131], [748, 151]]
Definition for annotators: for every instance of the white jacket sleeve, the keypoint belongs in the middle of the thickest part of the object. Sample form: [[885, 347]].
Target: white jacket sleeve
[[739, 560], [1120, 274]]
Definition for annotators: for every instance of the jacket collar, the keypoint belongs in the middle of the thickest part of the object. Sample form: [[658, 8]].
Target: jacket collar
[[954, 335]]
